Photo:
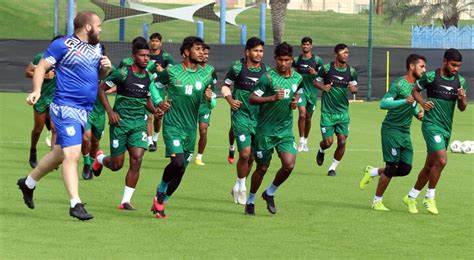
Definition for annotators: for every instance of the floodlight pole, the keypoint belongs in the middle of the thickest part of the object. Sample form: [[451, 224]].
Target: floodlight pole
[[122, 24], [370, 47], [263, 7], [56, 17], [70, 15]]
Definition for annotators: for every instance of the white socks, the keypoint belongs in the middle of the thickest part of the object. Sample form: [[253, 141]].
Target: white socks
[[430, 193], [374, 172], [30, 182], [199, 156], [321, 150], [240, 185], [74, 201], [127, 194], [155, 136], [231, 147], [376, 199], [100, 158], [334, 164], [413, 193], [150, 140], [303, 140]]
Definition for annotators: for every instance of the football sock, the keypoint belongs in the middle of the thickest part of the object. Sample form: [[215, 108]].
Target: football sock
[[271, 190], [334, 164], [430, 193], [231, 148], [150, 140], [321, 150], [87, 159], [376, 199], [374, 172], [74, 201], [127, 194], [100, 158], [155, 136], [241, 184], [413, 193], [199, 156], [303, 140], [162, 187], [251, 198], [236, 185], [30, 182]]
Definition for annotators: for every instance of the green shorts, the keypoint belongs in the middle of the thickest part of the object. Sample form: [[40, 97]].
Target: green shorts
[[244, 140], [264, 146], [308, 103], [334, 123], [128, 134], [436, 138], [179, 141], [96, 123], [42, 105], [205, 117], [396, 146]]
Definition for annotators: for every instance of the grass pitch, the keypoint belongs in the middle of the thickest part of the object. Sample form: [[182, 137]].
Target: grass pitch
[[318, 216]]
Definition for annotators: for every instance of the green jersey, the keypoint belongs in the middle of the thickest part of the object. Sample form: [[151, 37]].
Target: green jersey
[[98, 109], [302, 65], [335, 101], [400, 117], [276, 118], [244, 119], [186, 89], [204, 106], [129, 61], [49, 85], [163, 58], [133, 90], [442, 91]]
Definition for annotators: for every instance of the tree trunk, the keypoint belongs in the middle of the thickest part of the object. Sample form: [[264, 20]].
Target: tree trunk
[[278, 19], [379, 9]]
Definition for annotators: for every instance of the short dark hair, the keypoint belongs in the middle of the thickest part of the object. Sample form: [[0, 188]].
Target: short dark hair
[[452, 55], [138, 39], [339, 47], [83, 18], [283, 49], [189, 42], [413, 59], [253, 42], [155, 35], [140, 46], [206, 47], [307, 39]]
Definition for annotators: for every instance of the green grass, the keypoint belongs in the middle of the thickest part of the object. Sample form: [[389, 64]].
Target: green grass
[[32, 19], [318, 216]]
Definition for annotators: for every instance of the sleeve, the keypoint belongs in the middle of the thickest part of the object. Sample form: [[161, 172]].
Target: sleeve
[[170, 60], [155, 95], [56, 51], [319, 63], [262, 85], [463, 83], [117, 76], [424, 80], [321, 74], [295, 61], [300, 86], [162, 78], [37, 59], [354, 77], [388, 101], [232, 74], [151, 67]]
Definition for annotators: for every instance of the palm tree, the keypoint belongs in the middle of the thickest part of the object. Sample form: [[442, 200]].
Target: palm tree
[[278, 11], [450, 10]]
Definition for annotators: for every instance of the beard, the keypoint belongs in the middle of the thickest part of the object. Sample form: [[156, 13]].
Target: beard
[[93, 37]]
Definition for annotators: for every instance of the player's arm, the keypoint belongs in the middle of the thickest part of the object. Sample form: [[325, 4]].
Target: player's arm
[[416, 92], [462, 98], [353, 83], [318, 82], [389, 100], [262, 87], [38, 79], [226, 91], [111, 81], [296, 97], [154, 94], [170, 60], [105, 67], [213, 102]]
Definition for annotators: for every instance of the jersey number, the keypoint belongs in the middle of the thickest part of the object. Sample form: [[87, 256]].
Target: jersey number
[[287, 93], [188, 89]]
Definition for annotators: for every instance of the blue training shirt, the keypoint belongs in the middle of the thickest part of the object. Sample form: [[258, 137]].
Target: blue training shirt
[[77, 66]]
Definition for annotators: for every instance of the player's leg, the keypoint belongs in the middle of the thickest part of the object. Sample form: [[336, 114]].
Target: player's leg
[[327, 132], [230, 157], [47, 123], [131, 179], [301, 125], [202, 142], [86, 149], [338, 154], [151, 144], [439, 159], [39, 121], [156, 129], [244, 166]]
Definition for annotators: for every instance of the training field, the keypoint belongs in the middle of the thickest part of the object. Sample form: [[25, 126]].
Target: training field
[[318, 216]]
